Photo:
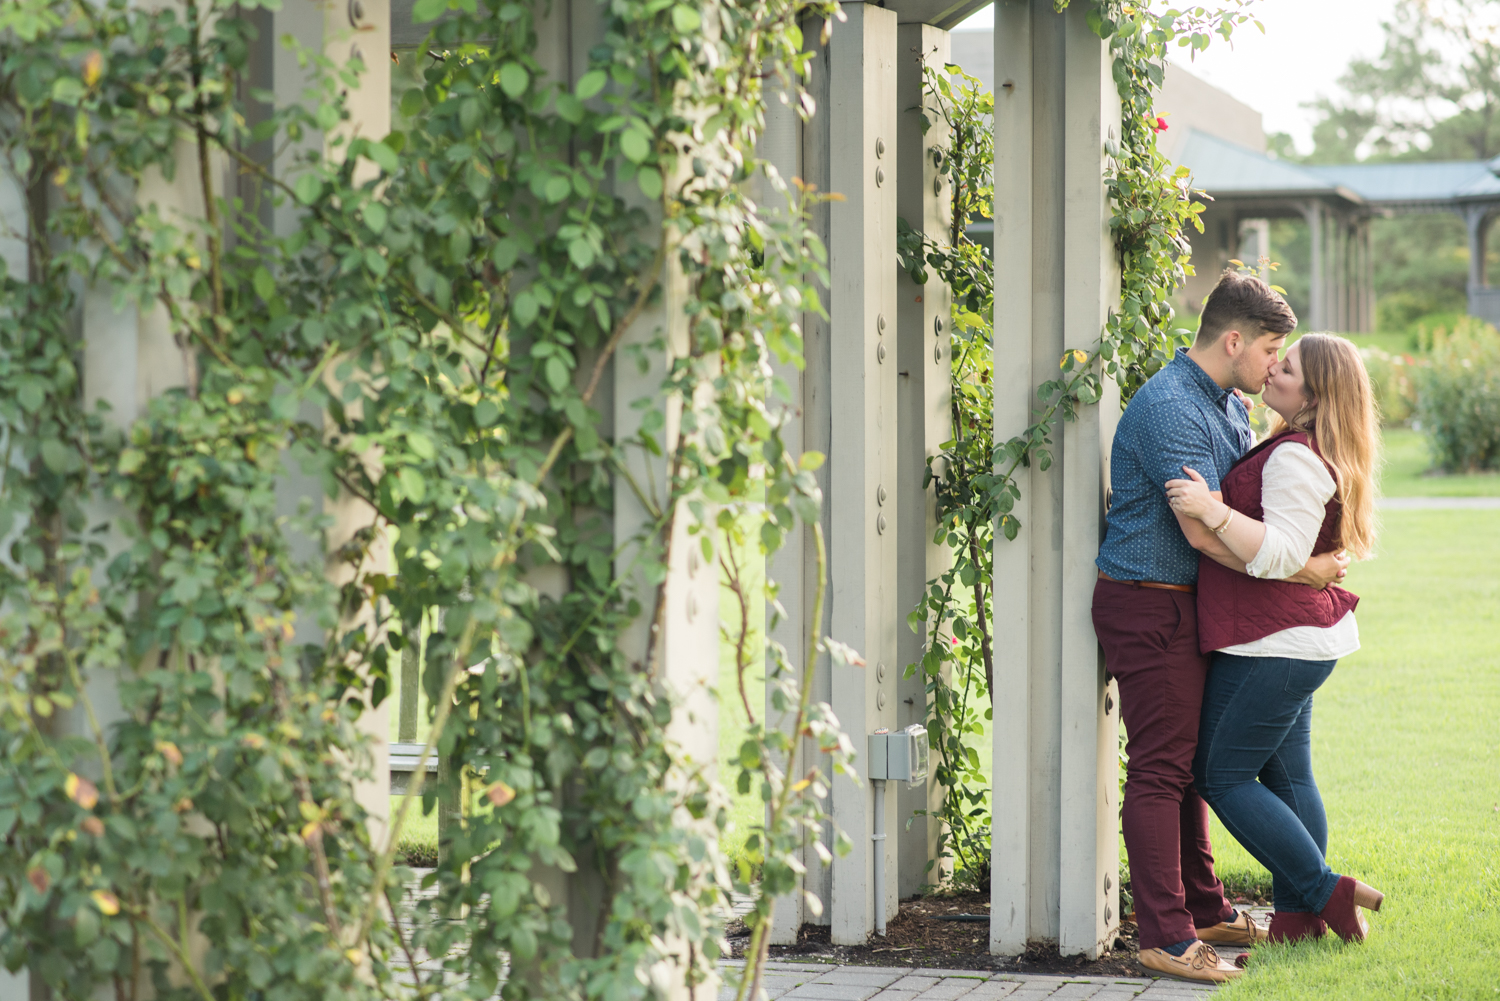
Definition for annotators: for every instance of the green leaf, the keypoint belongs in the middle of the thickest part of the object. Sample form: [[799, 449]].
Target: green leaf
[[375, 217], [412, 103], [581, 253], [384, 157], [67, 90], [505, 253], [427, 10], [130, 460], [32, 396], [525, 308], [556, 371], [307, 188], [469, 111], [57, 456], [265, 285], [421, 445], [557, 188], [514, 79], [650, 182], [685, 19], [636, 145], [590, 84], [486, 414], [412, 484]]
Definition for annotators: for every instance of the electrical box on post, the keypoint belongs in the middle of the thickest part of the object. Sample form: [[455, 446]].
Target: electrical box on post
[[900, 756], [878, 755]]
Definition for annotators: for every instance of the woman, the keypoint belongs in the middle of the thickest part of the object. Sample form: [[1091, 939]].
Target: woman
[[1308, 488]]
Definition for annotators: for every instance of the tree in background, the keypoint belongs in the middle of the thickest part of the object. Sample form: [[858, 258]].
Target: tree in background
[[1433, 93]]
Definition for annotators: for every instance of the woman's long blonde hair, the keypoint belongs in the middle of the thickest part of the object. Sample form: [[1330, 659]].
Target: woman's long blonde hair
[[1344, 424]]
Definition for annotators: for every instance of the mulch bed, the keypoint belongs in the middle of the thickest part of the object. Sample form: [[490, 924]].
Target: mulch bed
[[918, 937]]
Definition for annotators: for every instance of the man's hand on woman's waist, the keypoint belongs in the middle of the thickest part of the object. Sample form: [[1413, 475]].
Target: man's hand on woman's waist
[[1322, 570]]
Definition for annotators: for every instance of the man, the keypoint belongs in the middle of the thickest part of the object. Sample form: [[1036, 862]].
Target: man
[[1188, 414]]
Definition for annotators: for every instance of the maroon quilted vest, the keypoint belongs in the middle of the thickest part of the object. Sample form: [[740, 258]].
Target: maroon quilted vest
[[1235, 608]]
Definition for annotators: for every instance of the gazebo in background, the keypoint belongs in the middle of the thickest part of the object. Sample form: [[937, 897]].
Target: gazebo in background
[[1337, 202], [1222, 141]]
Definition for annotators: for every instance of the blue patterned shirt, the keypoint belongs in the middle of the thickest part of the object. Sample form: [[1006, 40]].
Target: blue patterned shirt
[[1180, 417]]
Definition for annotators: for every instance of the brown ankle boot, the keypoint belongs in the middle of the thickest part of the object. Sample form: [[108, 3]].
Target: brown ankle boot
[[1343, 909], [1294, 926]]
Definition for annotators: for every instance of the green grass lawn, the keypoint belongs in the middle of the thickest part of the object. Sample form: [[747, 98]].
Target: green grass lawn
[[1407, 471], [1407, 752]]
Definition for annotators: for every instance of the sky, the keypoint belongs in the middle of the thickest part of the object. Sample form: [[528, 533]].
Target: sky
[[1306, 47]]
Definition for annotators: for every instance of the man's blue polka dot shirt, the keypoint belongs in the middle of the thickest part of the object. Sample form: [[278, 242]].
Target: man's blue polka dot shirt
[[1180, 417]]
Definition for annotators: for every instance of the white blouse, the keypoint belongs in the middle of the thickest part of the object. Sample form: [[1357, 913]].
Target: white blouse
[[1295, 488]]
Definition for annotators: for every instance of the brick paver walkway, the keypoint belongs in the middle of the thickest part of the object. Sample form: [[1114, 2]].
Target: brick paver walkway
[[798, 981]]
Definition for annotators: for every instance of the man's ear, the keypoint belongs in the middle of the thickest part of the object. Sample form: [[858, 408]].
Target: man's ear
[[1233, 341]]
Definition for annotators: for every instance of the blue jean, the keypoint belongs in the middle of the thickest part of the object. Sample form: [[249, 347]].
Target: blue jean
[[1254, 767]]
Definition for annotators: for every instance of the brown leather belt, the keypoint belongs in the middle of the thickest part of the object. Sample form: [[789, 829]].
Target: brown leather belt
[[1184, 588]]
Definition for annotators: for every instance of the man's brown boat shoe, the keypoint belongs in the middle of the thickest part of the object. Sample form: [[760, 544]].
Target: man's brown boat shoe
[[1200, 964], [1241, 931]]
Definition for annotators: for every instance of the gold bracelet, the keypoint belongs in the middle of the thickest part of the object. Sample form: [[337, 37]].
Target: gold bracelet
[[1225, 526]]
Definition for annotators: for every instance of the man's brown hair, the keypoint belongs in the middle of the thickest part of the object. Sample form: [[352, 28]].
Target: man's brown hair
[[1243, 301]]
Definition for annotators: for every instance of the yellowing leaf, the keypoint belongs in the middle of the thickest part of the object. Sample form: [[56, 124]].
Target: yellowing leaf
[[94, 826], [169, 750], [108, 903], [312, 831], [801, 785], [39, 879], [93, 67], [354, 956], [500, 794], [81, 791]]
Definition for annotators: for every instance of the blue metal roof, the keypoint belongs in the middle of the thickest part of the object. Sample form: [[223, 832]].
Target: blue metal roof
[[1412, 182], [1220, 166], [1224, 168]]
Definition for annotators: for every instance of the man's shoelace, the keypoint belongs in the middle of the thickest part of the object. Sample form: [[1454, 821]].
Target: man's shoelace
[[1205, 958]]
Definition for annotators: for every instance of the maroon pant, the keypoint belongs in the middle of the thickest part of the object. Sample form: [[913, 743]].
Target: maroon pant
[[1150, 641]]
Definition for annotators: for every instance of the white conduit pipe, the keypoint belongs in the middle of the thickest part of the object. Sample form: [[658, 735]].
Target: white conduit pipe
[[878, 850]]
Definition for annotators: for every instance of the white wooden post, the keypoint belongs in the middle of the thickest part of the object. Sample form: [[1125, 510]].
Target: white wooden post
[[1088, 852], [794, 566], [862, 499], [1010, 832], [1054, 861], [361, 31], [924, 421]]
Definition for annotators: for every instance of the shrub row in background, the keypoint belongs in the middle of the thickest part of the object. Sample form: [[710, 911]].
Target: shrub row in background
[[1458, 397], [1449, 389]]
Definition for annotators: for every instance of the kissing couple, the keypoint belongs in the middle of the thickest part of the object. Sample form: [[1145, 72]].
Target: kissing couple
[[1219, 613]]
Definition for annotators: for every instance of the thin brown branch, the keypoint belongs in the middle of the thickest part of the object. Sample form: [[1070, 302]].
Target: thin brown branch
[[731, 567], [981, 613], [411, 958], [757, 951], [177, 950], [314, 841]]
